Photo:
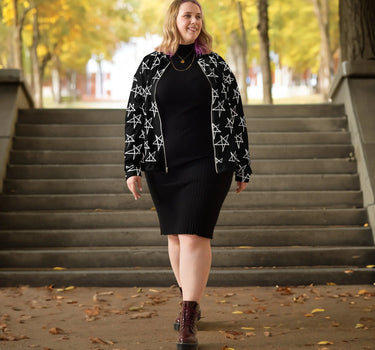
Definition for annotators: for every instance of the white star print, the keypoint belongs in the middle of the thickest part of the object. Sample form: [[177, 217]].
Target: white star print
[[227, 79], [219, 108], [129, 139], [233, 157], [148, 125], [247, 155], [131, 168], [156, 63], [215, 129], [215, 95], [212, 74], [151, 157], [144, 67], [238, 139], [223, 142], [130, 108], [136, 150], [226, 67], [154, 108], [213, 60], [243, 123], [237, 94], [137, 90], [135, 120], [159, 142], [230, 124]]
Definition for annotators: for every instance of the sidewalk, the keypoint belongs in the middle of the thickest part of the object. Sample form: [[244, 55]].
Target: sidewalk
[[341, 317]]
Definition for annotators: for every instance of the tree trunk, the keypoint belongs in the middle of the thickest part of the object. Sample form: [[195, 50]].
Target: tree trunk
[[37, 84], [357, 30], [17, 38], [56, 79], [264, 44], [243, 55], [321, 8]]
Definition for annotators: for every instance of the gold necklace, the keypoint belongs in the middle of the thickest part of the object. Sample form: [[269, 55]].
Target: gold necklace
[[183, 59], [185, 69]]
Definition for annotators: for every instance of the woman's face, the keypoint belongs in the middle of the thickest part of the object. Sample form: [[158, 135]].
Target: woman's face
[[189, 22]]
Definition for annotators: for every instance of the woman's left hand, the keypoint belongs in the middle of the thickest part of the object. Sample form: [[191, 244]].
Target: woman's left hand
[[240, 186]]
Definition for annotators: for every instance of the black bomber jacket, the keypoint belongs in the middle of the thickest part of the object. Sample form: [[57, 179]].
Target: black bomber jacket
[[144, 142]]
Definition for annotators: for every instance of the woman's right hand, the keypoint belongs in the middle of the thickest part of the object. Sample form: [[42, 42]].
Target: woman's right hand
[[135, 184]]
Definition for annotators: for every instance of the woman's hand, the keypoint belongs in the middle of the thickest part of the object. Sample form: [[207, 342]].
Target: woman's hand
[[135, 184], [240, 186]]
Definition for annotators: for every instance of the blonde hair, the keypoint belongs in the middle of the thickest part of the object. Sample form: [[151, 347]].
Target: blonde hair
[[172, 37]]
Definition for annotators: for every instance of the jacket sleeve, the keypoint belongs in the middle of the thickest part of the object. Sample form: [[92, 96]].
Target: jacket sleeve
[[243, 169], [134, 126]]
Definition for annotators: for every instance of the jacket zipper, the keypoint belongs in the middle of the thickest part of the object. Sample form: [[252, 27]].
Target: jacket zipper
[[160, 122], [212, 129]]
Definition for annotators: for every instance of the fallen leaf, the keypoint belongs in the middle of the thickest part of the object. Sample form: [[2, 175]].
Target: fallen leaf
[[250, 334], [231, 334], [362, 292], [335, 324], [245, 247], [228, 295], [349, 272], [57, 268], [359, 326], [248, 328], [135, 308], [370, 266], [10, 337], [154, 290], [69, 288], [97, 296], [308, 315], [237, 312], [142, 315], [331, 284], [317, 310], [365, 225], [101, 341], [56, 330], [325, 342], [92, 312], [227, 348], [284, 290]]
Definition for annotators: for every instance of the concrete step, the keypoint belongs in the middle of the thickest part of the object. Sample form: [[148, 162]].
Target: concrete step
[[116, 143], [301, 110], [158, 256], [113, 157], [116, 130], [294, 166], [223, 236], [163, 277], [101, 218], [123, 201], [113, 116], [318, 182]]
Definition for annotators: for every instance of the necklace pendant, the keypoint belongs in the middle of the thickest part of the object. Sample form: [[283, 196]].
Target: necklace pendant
[[182, 61]]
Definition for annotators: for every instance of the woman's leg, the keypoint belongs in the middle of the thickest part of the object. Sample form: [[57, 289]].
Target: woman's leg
[[195, 265], [174, 256]]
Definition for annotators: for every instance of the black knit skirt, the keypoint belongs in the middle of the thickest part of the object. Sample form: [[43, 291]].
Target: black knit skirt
[[189, 197]]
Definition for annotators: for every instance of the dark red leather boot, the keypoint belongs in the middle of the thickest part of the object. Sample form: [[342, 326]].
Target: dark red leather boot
[[176, 324], [187, 336]]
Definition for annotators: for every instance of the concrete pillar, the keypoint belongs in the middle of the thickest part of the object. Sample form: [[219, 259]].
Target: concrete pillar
[[14, 94], [354, 86]]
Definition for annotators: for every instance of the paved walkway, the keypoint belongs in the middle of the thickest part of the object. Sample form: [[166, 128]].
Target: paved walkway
[[336, 317]]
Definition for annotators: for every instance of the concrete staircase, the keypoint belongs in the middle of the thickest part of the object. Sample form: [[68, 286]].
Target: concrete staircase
[[65, 204]]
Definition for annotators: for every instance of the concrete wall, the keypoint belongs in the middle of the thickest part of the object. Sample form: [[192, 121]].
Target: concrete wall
[[14, 94], [354, 86]]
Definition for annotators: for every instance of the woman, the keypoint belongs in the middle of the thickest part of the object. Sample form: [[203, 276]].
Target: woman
[[186, 130]]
